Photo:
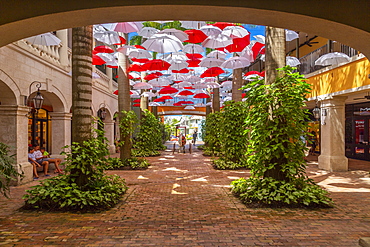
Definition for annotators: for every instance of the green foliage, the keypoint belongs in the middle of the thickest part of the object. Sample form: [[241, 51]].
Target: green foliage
[[149, 137], [84, 186], [7, 170], [131, 163], [127, 122], [212, 134], [166, 132], [275, 122], [233, 137]]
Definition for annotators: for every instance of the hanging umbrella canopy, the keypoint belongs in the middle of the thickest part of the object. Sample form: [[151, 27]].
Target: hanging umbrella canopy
[[142, 85], [182, 71], [147, 32], [195, 36], [211, 72], [210, 62], [185, 93], [46, 39], [177, 104], [136, 101], [159, 100], [178, 65], [139, 54], [217, 41], [195, 55], [292, 61], [168, 90], [227, 84], [212, 85], [151, 77], [201, 96], [193, 63], [210, 30], [102, 49], [139, 60], [235, 31], [200, 85], [189, 107], [122, 41], [107, 37], [156, 64], [134, 75], [247, 53], [290, 35], [136, 67], [97, 60], [238, 44], [159, 82], [107, 57], [148, 94], [256, 49], [236, 63], [260, 38], [184, 84], [193, 48], [252, 77], [153, 104], [181, 35], [332, 58], [217, 54], [193, 24], [253, 72], [163, 43], [192, 78], [126, 27], [166, 97]]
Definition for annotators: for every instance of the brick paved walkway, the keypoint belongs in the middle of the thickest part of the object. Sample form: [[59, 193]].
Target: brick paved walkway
[[181, 200]]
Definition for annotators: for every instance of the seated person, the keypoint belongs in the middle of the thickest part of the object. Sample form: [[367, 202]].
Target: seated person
[[41, 157], [35, 164]]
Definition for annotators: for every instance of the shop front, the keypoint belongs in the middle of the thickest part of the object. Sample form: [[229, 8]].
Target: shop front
[[357, 131]]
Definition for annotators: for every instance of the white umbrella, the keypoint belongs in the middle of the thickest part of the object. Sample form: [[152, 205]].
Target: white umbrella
[[210, 62], [134, 92], [154, 104], [189, 107], [192, 78], [163, 43], [210, 30], [292, 61], [47, 39], [107, 57], [235, 63], [290, 35], [217, 54], [109, 26], [217, 41], [175, 57], [135, 75], [252, 77], [260, 38], [193, 24], [147, 32], [182, 36], [200, 105], [332, 58], [209, 79], [184, 84], [212, 85], [148, 94], [227, 84], [126, 27], [209, 103], [107, 37], [193, 48], [200, 85], [178, 65], [132, 82], [247, 53], [200, 91], [227, 99], [139, 54], [176, 77], [235, 31], [142, 85], [159, 82]]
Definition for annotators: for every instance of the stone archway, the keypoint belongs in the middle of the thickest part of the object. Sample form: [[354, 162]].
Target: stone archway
[[337, 20], [9, 91]]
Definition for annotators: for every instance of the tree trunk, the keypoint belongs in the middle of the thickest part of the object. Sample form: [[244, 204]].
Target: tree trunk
[[275, 52], [237, 84], [124, 102], [275, 58], [81, 83], [216, 100]]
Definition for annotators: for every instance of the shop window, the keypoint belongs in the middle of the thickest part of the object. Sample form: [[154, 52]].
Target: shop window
[[39, 129]]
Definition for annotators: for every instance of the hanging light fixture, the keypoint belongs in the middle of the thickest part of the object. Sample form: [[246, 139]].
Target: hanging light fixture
[[102, 113], [316, 111], [38, 100]]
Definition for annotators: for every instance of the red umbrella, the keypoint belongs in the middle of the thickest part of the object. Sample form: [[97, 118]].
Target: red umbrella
[[136, 67], [263, 73], [136, 101], [193, 63], [140, 60], [116, 92], [243, 95], [188, 102], [103, 49], [122, 41], [185, 93], [136, 105], [151, 77], [159, 100], [193, 56], [184, 71], [238, 44], [195, 36], [201, 96], [166, 97], [96, 60], [211, 72], [256, 48], [168, 90], [189, 88], [156, 64], [222, 25], [253, 72], [139, 47], [177, 104]]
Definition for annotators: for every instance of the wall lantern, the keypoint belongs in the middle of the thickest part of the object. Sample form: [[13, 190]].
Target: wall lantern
[[38, 100], [102, 113], [316, 112]]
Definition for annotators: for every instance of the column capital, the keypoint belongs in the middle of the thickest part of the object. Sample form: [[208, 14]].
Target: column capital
[[60, 116], [333, 101]]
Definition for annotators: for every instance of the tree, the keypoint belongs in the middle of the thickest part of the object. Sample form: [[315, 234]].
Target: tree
[[81, 83]]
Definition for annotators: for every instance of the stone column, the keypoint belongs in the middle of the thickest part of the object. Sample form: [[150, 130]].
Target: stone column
[[63, 50], [332, 146], [109, 134], [13, 132], [60, 132]]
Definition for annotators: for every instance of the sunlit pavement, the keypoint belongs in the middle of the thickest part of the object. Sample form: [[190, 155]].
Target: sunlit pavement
[[181, 200]]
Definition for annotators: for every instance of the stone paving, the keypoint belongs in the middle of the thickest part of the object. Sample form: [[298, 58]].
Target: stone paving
[[182, 201]]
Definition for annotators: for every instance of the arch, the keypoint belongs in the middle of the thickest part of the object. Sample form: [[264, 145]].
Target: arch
[[9, 91], [51, 99], [337, 20]]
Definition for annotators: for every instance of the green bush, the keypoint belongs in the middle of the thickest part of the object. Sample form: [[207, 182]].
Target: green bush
[[212, 134], [275, 122], [84, 186], [223, 164], [7, 170]]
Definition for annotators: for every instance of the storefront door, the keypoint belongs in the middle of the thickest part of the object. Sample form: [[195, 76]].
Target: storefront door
[[38, 129]]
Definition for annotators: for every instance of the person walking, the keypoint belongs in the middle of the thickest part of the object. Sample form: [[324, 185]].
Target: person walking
[[195, 135]]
